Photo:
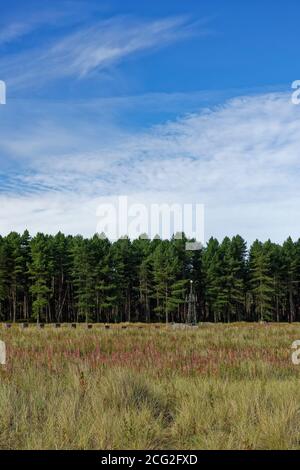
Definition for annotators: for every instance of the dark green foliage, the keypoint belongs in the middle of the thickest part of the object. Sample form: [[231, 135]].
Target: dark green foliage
[[68, 279]]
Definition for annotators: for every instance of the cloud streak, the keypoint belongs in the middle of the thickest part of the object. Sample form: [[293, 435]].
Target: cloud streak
[[90, 49]]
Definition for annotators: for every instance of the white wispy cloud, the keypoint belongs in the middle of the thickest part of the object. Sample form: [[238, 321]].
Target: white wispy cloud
[[240, 159], [13, 31], [90, 49], [16, 27]]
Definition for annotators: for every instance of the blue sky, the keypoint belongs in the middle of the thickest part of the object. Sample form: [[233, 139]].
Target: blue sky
[[164, 101]]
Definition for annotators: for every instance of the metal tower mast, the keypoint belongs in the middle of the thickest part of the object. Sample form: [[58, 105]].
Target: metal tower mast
[[192, 313]]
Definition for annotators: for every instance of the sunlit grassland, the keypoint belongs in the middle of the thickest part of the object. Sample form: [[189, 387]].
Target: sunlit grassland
[[150, 387]]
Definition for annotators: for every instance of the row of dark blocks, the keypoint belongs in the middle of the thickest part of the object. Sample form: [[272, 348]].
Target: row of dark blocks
[[55, 325], [89, 326]]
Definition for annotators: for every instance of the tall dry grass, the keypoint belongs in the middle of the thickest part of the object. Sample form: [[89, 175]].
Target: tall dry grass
[[212, 387]]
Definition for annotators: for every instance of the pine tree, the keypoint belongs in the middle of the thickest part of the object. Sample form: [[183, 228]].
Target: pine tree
[[105, 297], [262, 286], [83, 278], [292, 265], [39, 275], [4, 275], [211, 269]]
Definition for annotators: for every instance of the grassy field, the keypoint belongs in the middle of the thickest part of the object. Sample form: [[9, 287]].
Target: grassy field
[[213, 387]]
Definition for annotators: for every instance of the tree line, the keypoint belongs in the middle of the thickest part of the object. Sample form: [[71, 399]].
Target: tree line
[[61, 278]]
